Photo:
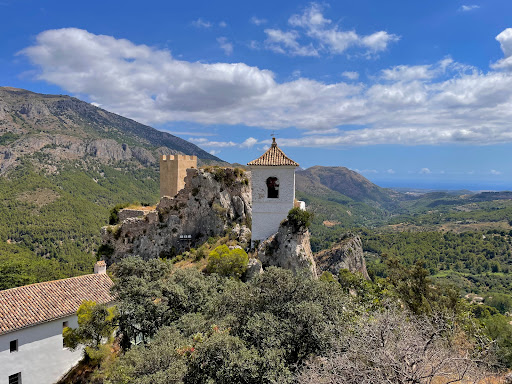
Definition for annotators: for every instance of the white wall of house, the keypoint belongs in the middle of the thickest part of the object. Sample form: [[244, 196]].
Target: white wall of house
[[267, 213], [41, 357]]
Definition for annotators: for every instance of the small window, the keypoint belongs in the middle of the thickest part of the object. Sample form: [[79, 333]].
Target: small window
[[15, 379], [65, 324], [272, 188], [13, 346]]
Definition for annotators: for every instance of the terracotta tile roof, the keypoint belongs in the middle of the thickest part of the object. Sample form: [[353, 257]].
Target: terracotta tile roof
[[273, 157], [38, 303]]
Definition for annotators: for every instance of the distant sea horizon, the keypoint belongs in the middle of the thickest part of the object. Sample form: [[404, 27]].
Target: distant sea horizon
[[445, 185]]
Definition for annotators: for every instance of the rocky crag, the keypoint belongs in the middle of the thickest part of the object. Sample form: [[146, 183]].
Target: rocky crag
[[347, 254], [289, 248], [214, 202]]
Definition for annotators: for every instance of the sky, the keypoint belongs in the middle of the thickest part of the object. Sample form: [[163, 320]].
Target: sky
[[408, 93]]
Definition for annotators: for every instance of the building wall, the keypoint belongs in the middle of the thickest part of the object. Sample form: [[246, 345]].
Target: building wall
[[173, 169], [267, 213], [41, 357]]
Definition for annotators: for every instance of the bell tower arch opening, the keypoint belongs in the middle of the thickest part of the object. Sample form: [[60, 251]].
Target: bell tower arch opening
[[272, 188]]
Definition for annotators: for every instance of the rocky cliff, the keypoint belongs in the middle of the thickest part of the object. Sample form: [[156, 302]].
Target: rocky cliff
[[214, 202], [289, 248], [347, 254]]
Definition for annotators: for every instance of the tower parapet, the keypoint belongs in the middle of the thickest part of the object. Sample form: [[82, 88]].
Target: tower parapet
[[173, 169]]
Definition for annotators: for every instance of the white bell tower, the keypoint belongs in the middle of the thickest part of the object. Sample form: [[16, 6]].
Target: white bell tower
[[273, 191]]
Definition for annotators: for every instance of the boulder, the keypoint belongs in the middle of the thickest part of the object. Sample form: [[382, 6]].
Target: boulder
[[347, 254], [254, 268]]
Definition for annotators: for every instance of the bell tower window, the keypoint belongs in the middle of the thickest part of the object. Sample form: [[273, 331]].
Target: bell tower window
[[272, 188]]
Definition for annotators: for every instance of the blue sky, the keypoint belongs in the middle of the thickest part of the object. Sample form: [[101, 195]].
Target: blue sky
[[408, 93]]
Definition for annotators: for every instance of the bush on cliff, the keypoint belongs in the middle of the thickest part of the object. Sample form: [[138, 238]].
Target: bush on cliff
[[299, 218]]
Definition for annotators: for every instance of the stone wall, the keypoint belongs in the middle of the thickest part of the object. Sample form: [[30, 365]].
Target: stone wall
[[128, 213]]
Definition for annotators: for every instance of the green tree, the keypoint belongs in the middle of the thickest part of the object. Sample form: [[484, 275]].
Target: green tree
[[142, 307], [498, 328], [500, 301], [227, 262], [299, 218], [96, 323]]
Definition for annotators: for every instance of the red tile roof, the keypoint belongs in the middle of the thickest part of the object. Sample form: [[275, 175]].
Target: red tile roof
[[38, 303], [273, 157]]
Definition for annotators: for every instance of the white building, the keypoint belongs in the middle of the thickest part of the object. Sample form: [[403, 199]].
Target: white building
[[31, 322], [273, 191]]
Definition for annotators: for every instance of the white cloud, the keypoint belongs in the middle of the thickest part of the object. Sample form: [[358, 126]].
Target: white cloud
[[223, 24], [366, 171], [324, 36], [425, 171], [444, 102], [249, 143], [253, 44], [204, 142], [200, 23], [257, 21], [225, 45], [505, 40], [391, 171], [406, 73], [214, 152], [467, 8], [350, 75], [286, 42], [495, 172]]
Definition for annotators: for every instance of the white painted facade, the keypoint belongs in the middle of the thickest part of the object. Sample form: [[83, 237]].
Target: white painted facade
[[267, 213], [41, 357]]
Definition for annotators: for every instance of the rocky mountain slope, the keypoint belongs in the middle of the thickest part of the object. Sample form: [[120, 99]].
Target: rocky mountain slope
[[68, 129]]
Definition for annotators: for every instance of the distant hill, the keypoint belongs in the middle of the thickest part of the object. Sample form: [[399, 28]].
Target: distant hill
[[63, 164], [320, 181]]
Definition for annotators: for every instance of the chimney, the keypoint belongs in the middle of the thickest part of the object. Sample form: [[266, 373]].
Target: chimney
[[100, 267]]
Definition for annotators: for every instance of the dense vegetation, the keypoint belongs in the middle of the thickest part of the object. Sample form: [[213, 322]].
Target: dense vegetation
[[183, 326], [50, 222]]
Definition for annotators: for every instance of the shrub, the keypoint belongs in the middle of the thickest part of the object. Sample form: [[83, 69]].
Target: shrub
[[219, 209], [299, 218], [227, 262]]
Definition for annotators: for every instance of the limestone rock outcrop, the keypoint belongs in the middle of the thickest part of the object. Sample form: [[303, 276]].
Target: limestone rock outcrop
[[289, 248], [213, 203], [254, 268], [347, 254]]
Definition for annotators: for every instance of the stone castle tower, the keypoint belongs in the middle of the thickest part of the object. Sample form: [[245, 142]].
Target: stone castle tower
[[173, 169], [273, 191]]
